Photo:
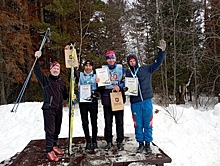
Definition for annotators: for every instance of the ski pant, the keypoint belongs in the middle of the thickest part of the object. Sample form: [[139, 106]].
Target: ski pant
[[52, 126], [119, 120], [142, 114], [91, 108]]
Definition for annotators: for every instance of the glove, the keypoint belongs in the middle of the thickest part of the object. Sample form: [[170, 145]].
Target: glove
[[125, 89], [38, 54], [162, 45], [95, 97]]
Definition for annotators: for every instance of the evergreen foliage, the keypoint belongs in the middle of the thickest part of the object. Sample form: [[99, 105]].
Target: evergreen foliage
[[190, 29]]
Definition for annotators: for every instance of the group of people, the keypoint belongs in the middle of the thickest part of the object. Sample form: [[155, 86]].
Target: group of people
[[55, 91]]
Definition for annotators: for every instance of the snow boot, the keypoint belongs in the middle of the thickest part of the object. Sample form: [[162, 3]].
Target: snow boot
[[52, 156], [147, 147], [120, 146], [140, 148], [94, 146], [57, 150], [88, 146], [108, 146]]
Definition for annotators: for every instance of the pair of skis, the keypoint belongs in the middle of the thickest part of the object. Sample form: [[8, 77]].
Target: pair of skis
[[71, 62]]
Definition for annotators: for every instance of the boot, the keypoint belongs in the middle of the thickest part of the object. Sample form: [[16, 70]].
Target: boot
[[52, 156], [94, 146], [147, 147], [140, 148], [120, 146], [88, 146], [108, 146], [57, 150]]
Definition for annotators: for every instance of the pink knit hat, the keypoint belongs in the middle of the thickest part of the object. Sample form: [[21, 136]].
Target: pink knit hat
[[54, 64], [110, 55]]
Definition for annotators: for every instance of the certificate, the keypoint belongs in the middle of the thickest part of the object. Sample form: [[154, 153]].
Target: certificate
[[132, 85], [85, 93], [103, 75]]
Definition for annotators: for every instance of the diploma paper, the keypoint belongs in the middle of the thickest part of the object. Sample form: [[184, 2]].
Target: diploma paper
[[103, 75], [132, 85], [85, 93]]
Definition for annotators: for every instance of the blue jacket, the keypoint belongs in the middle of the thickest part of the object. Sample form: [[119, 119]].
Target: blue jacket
[[144, 75], [85, 79]]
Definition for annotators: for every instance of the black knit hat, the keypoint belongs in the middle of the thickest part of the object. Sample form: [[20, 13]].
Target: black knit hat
[[88, 62]]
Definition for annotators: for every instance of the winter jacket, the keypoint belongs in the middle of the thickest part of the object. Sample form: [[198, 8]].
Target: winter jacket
[[144, 75], [54, 89], [85, 79]]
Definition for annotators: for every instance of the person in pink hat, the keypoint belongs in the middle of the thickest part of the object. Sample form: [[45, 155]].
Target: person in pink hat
[[54, 92], [117, 73]]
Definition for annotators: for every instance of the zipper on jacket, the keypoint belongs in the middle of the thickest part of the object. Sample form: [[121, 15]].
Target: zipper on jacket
[[139, 87], [51, 99], [134, 75]]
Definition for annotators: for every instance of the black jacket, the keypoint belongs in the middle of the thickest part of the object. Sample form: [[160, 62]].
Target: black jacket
[[54, 89]]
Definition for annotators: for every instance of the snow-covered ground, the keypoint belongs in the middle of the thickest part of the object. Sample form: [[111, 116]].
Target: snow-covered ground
[[191, 141]]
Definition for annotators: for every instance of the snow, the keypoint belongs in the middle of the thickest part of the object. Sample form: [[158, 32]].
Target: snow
[[189, 136], [217, 109]]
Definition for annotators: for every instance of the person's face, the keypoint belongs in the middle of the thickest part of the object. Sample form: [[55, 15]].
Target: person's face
[[88, 68], [55, 71], [111, 61], [132, 62]]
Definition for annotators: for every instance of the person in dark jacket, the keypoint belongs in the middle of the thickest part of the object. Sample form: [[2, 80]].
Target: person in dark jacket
[[54, 92], [88, 77], [141, 105], [117, 73]]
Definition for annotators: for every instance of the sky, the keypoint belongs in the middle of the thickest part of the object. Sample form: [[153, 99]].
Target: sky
[[193, 140]]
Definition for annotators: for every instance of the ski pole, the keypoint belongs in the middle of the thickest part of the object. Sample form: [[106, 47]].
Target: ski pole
[[18, 100]]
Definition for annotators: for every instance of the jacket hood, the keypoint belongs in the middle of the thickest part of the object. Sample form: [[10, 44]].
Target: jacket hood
[[135, 57]]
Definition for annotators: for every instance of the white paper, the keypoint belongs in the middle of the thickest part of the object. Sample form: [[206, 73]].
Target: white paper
[[132, 85], [103, 75], [85, 93]]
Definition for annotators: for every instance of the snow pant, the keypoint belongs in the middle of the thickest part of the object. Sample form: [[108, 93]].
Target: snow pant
[[119, 120], [142, 114], [91, 108], [52, 126]]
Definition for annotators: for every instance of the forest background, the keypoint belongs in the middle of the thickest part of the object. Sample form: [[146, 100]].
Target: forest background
[[191, 29]]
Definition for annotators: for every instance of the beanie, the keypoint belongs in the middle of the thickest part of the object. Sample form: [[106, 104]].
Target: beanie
[[54, 64], [131, 58], [88, 62], [110, 55]]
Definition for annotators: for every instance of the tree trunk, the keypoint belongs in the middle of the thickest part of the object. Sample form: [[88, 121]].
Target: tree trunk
[[2, 89], [3, 3], [174, 56], [41, 12], [182, 94]]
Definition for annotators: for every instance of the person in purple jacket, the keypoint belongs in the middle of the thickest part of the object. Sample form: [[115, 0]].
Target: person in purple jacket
[[141, 105]]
